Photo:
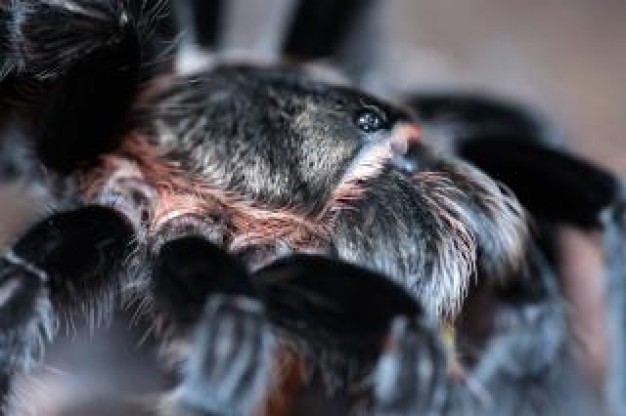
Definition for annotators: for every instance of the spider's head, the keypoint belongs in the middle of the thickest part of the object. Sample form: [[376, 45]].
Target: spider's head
[[274, 134], [286, 141]]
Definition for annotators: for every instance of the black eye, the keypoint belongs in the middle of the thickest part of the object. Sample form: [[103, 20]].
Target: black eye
[[370, 121]]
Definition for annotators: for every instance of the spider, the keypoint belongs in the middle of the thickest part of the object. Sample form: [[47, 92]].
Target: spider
[[280, 231]]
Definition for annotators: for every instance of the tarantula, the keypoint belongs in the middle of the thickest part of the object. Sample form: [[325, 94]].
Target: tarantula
[[281, 231]]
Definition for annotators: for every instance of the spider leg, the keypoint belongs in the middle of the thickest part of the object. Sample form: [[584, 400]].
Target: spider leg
[[81, 77], [339, 302], [573, 190], [228, 369], [410, 375], [64, 261], [342, 310], [518, 147], [525, 367], [526, 363], [208, 296]]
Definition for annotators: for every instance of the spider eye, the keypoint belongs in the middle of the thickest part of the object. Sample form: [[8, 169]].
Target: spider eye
[[370, 121]]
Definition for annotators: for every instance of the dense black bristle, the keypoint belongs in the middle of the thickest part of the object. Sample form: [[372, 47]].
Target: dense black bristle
[[92, 64], [329, 300], [188, 270], [79, 251], [48, 49], [88, 107], [549, 183]]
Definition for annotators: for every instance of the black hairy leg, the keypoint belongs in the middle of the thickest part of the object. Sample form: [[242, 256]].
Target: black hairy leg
[[519, 362], [577, 210], [573, 190], [573, 209], [338, 315], [228, 371], [81, 76], [224, 328], [209, 304], [519, 148], [415, 371], [512, 354], [515, 358], [341, 320], [63, 263], [463, 117]]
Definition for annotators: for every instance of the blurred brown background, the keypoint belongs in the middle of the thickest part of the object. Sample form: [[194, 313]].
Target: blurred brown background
[[567, 57]]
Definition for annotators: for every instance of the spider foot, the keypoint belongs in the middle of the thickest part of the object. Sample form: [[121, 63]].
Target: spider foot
[[227, 372], [208, 297], [410, 376]]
